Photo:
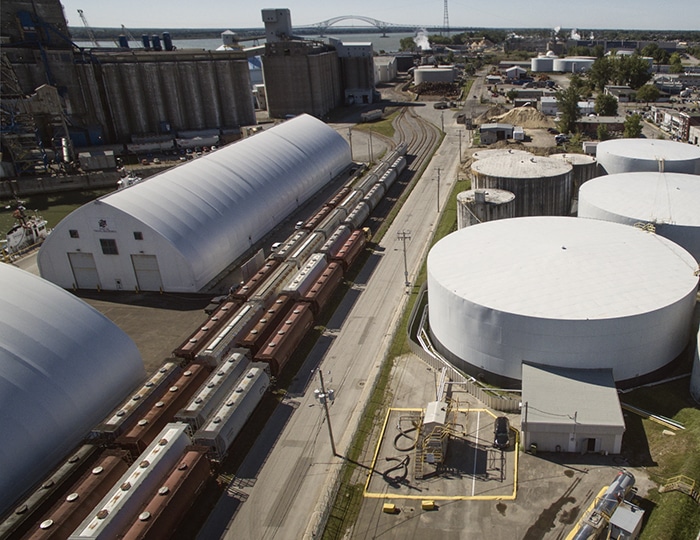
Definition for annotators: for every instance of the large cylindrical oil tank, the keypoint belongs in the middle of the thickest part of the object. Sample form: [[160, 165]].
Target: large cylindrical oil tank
[[668, 203], [584, 168], [543, 64], [563, 292], [637, 155], [695, 375], [573, 64], [480, 205], [541, 185], [499, 152]]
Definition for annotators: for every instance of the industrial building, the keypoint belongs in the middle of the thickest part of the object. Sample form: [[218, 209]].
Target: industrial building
[[668, 203], [558, 291], [570, 410], [106, 95], [178, 230], [542, 186], [654, 155], [63, 367]]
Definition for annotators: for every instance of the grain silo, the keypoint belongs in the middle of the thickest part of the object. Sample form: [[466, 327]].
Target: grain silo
[[669, 202], [573, 64], [544, 63], [637, 155], [480, 205], [584, 168], [541, 185], [560, 291]]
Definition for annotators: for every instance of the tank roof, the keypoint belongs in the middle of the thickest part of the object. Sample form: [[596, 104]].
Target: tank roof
[[649, 149], [493, 152], [517, 166], [670, 198], [563, 268], [493, 196], [575, 159]]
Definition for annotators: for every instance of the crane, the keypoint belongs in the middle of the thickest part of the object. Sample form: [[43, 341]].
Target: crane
[[91, 34]]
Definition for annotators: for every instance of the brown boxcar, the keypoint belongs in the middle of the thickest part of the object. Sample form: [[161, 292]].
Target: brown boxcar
[[247, 289], [286, 338], [168, 505], [315, 220], [267, 323], [52, 488], [63, 518], [323, 289], [193, 344], [154, 419], [132, 409], [338, 197], [351, 250]]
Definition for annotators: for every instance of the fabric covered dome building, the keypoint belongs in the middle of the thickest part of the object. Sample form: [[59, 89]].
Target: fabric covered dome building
[[63, 367], [178, 230]]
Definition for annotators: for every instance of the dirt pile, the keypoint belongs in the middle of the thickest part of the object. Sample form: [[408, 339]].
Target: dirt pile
[[526, 117]]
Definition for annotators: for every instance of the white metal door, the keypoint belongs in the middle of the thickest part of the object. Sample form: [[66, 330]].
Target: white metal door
[[84, 270], [147, 272]]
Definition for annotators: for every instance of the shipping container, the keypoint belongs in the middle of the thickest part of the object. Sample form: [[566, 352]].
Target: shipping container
[[286, 337], [193, 344], [116, 510], [168, 506], [52, 488], [245, 291], [225, 340], [132, 409], [136, 439], [267, 323], [351, 250], [219, 433], [321, 292], [302, 280], [82, 496], [219, 383]]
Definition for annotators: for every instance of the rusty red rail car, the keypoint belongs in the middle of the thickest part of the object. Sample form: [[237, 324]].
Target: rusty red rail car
[[286, 337]]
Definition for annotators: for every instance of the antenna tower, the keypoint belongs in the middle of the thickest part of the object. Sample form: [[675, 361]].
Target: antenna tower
[[446, 21]]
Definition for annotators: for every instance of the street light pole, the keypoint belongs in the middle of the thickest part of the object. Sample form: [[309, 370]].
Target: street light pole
[[404, 235], [324, 400], [350, 141], [438, 190], [459, 132]]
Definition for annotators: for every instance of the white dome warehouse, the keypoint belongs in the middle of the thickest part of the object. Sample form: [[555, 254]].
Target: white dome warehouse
[[63, 368], [178, 230], [566, 292], [668, 201]]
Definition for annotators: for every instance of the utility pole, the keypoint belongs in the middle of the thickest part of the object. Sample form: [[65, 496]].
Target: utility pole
[[323, 398], [350, 142], [442, 121], [404, 235], [459, 132], [371, 149], [438, 190]]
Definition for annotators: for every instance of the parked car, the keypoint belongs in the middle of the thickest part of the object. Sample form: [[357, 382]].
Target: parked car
[[501, 433], [561, 138]]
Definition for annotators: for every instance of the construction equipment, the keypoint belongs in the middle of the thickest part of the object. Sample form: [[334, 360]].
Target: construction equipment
[[90, 33]]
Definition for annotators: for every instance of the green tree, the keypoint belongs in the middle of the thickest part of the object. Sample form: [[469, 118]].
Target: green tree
[[567, 102], [659, 55], [602, 132], [632, 70], [600, 73], [632, 127], [512, 94], [605, 105], [675, 63], [407, 44], [648, 93]]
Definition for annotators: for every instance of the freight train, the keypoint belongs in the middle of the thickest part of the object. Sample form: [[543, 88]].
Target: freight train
[[163, 438]]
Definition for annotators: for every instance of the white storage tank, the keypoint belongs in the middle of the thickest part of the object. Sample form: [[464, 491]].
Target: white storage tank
[[655, 155], [434, 74], [541, 185], [573, 64], [542, 64], [479, 205], [584, 168], [500, 152], [695, 375], [668, 202], [559, 291]]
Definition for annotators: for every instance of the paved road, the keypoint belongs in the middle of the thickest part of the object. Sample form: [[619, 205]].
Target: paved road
[[289, 493]]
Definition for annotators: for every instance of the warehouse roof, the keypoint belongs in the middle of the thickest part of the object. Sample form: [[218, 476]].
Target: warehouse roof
[[63, 367], [564, 396]]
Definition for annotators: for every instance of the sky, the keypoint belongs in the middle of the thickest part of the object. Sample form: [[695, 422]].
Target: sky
[[224, 14]]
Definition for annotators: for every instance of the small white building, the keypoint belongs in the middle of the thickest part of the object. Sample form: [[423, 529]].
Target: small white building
[[586, 107], [515, 72], [622, 93], [549, 106], [385, 69], [434, 74], [570, 410]]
